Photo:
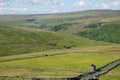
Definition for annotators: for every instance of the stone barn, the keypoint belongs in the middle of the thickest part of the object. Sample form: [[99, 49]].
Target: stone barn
[[92, 68]]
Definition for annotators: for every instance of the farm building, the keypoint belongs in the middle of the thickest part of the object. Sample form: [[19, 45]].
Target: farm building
[[92, 68]]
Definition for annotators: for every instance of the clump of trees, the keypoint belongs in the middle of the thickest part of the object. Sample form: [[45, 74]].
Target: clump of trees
[[30, 20], [61, 26], [94, 25]]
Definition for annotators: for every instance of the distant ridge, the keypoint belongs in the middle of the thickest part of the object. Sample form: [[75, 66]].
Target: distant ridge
[[92, 10]]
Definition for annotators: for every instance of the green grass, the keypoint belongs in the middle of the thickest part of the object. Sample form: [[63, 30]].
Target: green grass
[[80, 61], [66, 65], [94, 49]]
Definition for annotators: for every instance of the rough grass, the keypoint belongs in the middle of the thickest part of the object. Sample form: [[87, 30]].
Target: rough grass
[[14, 41], [19, 41]]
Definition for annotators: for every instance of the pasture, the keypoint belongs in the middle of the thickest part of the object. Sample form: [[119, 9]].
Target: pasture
[[59, 66]]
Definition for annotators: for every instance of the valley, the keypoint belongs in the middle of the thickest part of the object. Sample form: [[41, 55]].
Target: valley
[[59, 45]]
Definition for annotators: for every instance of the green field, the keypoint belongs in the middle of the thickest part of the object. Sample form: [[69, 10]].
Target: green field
[[64, 61], [70, 65]]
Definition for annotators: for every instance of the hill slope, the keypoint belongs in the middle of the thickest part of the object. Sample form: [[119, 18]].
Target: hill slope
[[109, 32], [20, 41]]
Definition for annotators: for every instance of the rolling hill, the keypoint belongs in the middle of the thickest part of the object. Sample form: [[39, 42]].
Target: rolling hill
[[70, 23], [14, 40], [18, 41]]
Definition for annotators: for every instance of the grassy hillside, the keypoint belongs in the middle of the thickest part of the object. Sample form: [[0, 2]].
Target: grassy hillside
[[108, 32], [20, 41]]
